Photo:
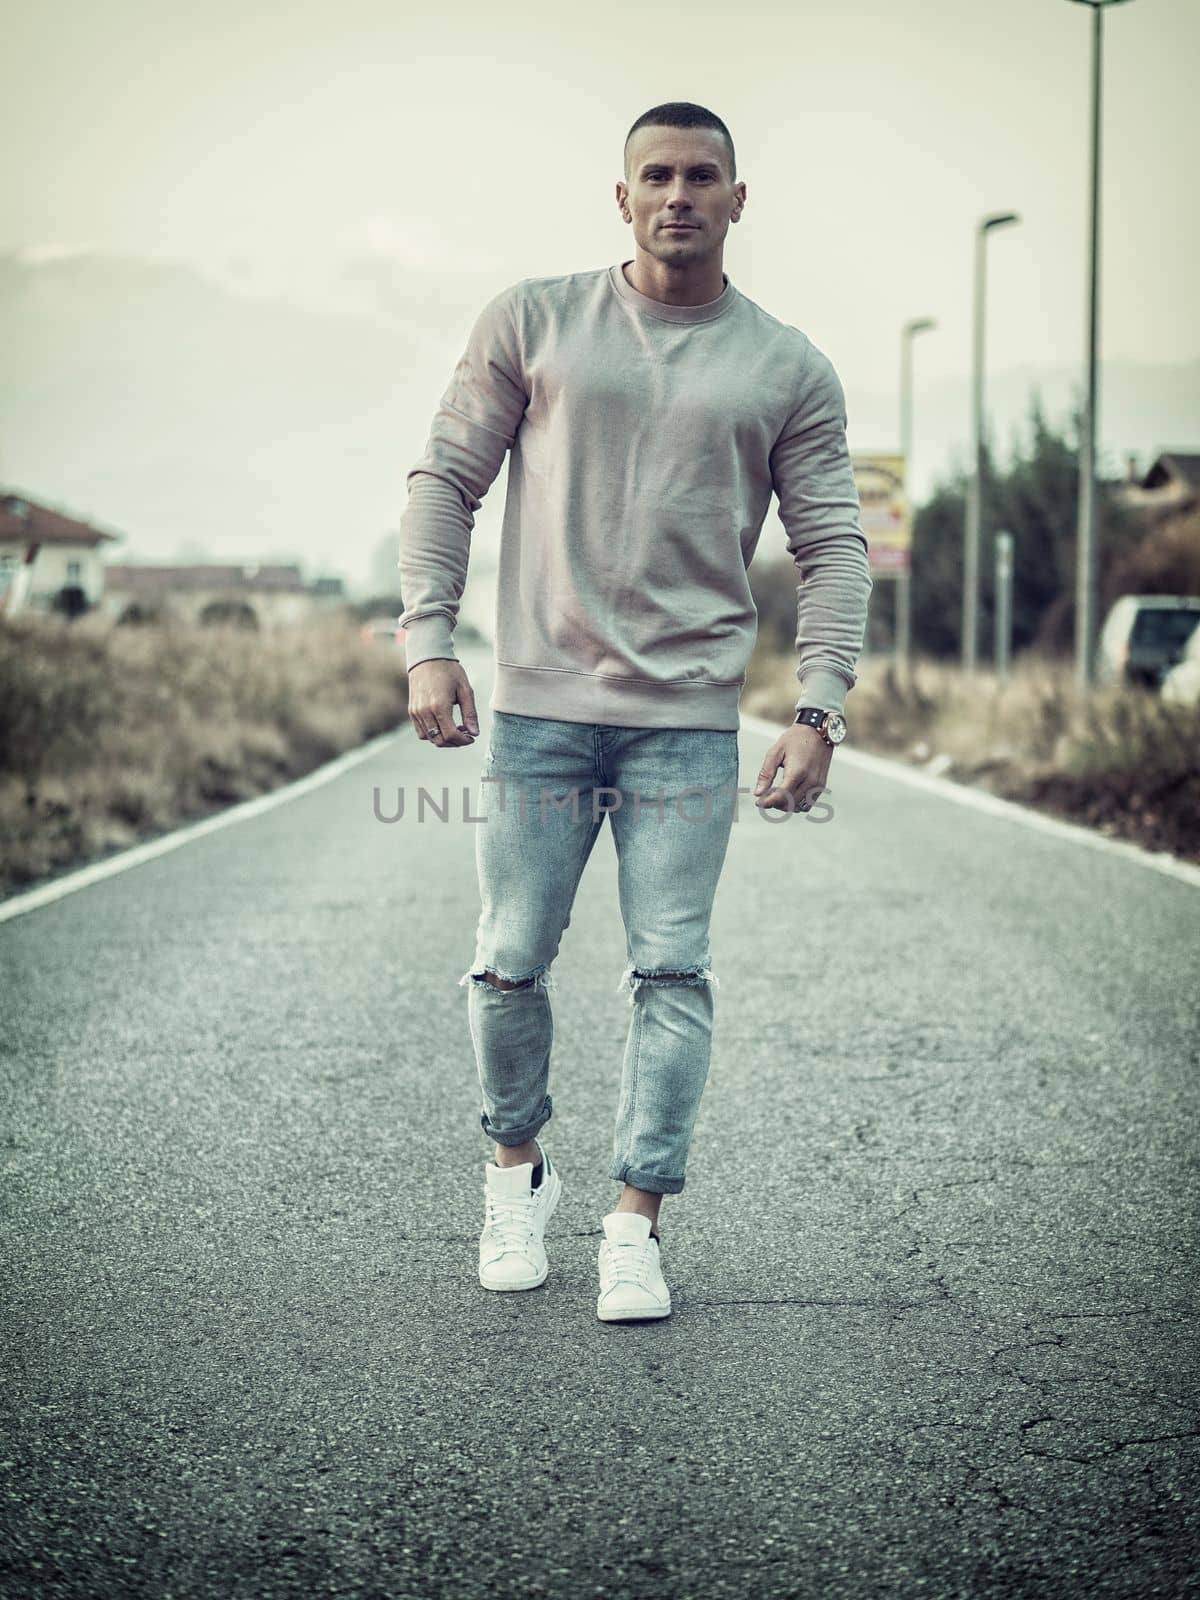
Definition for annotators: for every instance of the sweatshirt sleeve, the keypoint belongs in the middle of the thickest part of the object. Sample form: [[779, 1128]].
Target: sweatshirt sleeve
[[820, 511], [474, 426]]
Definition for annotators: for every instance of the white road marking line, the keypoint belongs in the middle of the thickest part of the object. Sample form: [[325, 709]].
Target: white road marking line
[[882, 766], [18, 904], [979, 800]]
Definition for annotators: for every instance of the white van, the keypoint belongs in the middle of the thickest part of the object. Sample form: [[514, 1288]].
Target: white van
[[1143, 637]]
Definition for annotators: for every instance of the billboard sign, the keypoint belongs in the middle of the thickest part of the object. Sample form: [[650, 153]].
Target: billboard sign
[[886, 515]]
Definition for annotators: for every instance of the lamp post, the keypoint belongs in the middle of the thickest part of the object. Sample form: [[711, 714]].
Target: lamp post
[[970, 617], [1085, 539], [904, 579]]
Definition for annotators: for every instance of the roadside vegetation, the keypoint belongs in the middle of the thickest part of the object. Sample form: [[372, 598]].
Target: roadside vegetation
[[1119, 760], [111, 735]]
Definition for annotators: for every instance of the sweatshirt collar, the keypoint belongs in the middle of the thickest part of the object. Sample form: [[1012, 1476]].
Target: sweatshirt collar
[[664, 311]]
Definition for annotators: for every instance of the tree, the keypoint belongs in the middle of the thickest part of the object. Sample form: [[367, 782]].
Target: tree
[[70, 601], [1035, 499]]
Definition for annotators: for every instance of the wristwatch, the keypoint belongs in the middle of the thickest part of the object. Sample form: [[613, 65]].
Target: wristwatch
[[831, 725]]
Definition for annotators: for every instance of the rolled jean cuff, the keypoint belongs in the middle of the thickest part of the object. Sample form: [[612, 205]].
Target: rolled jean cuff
[[653, 1182], [522, 1135]]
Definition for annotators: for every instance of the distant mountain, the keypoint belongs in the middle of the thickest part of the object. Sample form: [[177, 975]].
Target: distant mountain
[[202, 422], [191, 418]]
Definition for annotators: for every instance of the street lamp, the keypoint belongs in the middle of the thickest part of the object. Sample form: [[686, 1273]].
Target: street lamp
[[970, 617], [904, 579], [1085, 539]]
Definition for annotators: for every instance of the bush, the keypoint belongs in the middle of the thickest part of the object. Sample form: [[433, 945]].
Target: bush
[[1119, 759], [108, 731]]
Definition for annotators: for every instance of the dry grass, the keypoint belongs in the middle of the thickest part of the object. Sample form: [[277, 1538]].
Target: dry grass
[[1118, 759], [110, 735]]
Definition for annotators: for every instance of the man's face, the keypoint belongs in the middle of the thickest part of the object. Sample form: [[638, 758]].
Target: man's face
[[679, 195]]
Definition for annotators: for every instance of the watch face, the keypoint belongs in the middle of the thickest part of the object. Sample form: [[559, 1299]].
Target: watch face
[[836, 727]]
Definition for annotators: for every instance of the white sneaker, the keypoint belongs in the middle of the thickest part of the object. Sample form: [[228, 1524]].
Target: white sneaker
[[511, 1252], [632, 1287]]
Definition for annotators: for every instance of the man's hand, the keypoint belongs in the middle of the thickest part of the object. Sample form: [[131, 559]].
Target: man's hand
[[804, 757], [434, 689]]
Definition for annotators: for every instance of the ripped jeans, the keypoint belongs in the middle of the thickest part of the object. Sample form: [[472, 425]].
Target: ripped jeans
[[545, 789]]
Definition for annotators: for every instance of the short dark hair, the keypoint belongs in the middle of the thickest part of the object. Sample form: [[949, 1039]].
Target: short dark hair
[[682, 114]]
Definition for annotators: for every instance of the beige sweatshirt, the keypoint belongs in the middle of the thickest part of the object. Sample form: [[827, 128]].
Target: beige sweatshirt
[[646, 440]]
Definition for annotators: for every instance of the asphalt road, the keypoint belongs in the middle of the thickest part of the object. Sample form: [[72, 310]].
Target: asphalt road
[[933, 1271]]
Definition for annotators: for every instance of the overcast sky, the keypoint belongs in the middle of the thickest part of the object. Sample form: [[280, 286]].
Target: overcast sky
[[275, 145]]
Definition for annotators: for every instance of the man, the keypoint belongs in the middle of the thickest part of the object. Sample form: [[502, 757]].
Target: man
[[650, 410]]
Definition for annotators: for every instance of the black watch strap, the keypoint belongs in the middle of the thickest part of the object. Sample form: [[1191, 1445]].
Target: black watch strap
[[812, 716]]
